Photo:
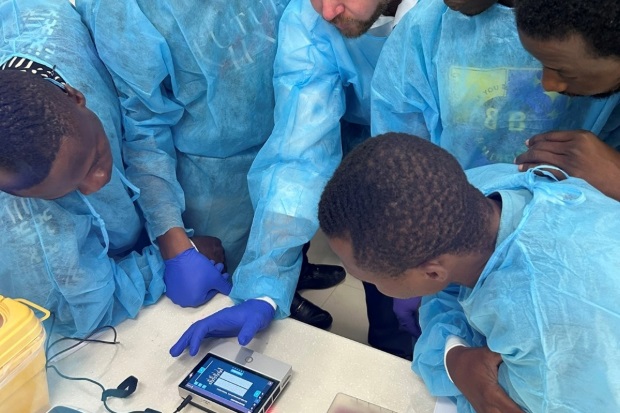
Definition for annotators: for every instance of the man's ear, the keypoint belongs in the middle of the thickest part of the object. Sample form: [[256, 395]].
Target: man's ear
[[435, 271], [7, 180], [10, 182], [76, 95]]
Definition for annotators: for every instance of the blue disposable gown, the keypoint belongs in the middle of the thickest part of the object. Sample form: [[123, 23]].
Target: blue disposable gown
[[320, 78], [547, 301], [467, 84], [195, 85], [73, 255]]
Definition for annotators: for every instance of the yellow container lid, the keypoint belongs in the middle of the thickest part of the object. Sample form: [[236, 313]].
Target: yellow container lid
[[19, 327]]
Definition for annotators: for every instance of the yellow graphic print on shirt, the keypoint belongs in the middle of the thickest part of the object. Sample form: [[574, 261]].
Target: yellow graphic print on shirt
[[498, 109]]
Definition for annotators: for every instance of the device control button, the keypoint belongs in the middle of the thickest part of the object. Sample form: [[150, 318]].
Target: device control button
[[249, 359]]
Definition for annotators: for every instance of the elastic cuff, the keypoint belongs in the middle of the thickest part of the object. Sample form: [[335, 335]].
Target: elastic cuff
[[269, 301], [451, 342], [193, 245]]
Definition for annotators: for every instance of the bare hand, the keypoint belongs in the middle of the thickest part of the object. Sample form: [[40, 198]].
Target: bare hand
[[580, 154], [474, 371], [210, 247], [470, 7]]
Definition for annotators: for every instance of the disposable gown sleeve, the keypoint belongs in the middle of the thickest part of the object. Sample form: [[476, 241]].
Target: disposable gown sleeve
[[54, 255], [554, 336], [139, 59], [289, 173], [117, 289], [403, 88], [441, 315]]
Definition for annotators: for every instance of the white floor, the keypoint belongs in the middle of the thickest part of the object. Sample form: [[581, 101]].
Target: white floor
[[345, 302]]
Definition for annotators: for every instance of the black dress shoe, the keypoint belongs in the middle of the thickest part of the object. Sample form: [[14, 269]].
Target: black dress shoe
[[319, 277], [306, 312]]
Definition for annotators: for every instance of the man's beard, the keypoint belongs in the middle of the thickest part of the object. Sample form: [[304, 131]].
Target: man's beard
[[356, 28]]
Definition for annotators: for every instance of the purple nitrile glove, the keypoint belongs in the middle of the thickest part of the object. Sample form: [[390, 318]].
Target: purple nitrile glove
[[406, 310], [192, 279], [243, 320]]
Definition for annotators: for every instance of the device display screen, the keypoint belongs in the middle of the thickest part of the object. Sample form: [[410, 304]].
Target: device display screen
[[229, 384]]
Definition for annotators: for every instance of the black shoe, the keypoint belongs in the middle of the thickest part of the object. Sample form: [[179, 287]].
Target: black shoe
[[319, 277], [309, 313]]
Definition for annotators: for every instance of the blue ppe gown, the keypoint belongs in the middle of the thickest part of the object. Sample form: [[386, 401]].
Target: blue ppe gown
[[195, 85], [547, 301], [320, 78], [467, 84], [73, 255]]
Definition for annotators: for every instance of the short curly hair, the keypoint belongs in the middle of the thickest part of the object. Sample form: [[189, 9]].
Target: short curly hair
[[401, 201], [597, 21], [35, 116]]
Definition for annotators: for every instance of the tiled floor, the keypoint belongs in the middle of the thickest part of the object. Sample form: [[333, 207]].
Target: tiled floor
[[345, 302]]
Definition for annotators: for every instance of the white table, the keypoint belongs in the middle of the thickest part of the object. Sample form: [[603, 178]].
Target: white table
[[323, 365]]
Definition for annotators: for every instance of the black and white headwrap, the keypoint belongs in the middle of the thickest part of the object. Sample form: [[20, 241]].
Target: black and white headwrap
[[26, 65]]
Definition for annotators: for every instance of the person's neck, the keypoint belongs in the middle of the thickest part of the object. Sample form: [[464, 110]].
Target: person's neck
[[391, 8], [470, 266]]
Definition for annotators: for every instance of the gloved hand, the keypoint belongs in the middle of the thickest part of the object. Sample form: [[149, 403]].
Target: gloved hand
[[243, 320], [192, 279], [406, 311]]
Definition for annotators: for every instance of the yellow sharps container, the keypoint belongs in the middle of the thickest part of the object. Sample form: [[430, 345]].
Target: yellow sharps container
[[23, 382]]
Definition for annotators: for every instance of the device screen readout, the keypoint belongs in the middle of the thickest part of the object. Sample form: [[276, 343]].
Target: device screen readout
[[229, 385]]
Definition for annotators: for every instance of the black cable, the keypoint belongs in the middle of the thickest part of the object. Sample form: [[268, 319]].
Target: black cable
[[86, 339], [48, 338], [123, 387], [77, 378], [83, 379], [184, 403], [103, 389]]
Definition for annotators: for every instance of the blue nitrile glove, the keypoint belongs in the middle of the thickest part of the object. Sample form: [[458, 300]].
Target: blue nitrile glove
[[192, 279], [406, 311], [243, 320]]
